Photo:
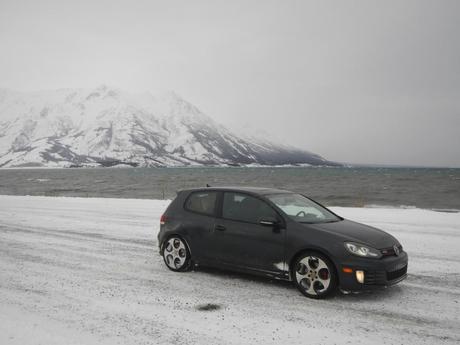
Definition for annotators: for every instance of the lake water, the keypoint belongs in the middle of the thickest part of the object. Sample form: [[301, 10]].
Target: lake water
[[397, 187]]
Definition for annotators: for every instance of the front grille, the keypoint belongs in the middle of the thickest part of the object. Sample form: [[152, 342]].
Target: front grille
[[390, 251], [396, 274]]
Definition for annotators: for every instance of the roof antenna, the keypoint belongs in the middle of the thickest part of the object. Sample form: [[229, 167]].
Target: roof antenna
[[207, 185]]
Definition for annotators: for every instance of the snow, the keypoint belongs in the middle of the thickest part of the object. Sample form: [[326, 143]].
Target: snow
[[96, 122], [87, 271]]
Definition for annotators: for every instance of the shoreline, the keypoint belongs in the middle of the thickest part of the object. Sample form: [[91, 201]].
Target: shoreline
[[366, 206], [281, 166]]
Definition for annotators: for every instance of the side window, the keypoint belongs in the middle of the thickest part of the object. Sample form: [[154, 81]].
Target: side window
[[245, 208], [202, 202]]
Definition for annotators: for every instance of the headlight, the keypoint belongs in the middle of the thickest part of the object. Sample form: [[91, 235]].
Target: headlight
[[362, 250]]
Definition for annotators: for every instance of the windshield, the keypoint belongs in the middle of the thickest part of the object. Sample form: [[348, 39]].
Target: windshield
[[302, 209]]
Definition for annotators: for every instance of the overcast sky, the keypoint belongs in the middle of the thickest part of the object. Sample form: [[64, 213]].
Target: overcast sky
[[355, 81]]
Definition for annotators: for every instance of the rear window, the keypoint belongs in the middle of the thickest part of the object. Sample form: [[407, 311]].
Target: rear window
[[202, 202]]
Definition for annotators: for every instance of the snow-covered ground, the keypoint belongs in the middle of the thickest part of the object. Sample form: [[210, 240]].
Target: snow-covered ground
[[86, 271]]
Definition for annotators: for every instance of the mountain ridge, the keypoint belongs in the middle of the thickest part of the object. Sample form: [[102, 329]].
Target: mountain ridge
[[107, 126]]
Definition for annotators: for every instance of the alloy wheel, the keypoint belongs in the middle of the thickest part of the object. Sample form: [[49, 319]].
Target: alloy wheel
[[175, 254], [314, 276]]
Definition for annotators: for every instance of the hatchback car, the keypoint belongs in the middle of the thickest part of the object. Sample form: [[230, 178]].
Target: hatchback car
[[278, 234]]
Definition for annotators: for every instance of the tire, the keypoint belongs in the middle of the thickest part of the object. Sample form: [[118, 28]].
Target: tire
[[176, 254], [314, 275]]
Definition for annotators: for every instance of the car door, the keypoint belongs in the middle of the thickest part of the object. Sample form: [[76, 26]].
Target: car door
[[241, 240], [199, 220]]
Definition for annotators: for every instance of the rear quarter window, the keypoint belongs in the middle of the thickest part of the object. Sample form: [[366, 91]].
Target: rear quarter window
[[202, 202]]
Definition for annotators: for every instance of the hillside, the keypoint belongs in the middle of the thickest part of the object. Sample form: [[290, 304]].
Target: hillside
[[109, 127]]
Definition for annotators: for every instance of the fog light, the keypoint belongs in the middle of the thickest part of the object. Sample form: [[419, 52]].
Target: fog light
[[360, 276]]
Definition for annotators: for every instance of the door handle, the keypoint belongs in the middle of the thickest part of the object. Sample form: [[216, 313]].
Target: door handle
[[219, 227]]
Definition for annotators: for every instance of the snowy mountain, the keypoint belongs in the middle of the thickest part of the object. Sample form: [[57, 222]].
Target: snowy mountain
[[108, 127]]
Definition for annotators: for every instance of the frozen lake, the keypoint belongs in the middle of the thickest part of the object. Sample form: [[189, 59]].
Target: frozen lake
[[87, 271]]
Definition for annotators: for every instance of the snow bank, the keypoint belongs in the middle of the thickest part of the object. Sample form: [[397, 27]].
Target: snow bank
[[86, 271]]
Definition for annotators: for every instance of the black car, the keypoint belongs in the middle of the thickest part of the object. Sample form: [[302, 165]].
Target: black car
[[279, 234]]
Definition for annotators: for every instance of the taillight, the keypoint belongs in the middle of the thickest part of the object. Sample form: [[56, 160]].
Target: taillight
[[163, 219]]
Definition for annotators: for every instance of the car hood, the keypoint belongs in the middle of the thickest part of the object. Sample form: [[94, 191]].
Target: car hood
[[356, 232]]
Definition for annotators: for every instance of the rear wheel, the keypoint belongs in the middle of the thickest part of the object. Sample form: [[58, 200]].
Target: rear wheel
[[314, 275], [176, 254]]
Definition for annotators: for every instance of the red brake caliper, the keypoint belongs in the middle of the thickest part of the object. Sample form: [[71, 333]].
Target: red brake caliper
[[324, 274]]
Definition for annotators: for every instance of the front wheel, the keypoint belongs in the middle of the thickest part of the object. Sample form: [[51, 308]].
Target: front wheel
[[314, 275], [176, 254]]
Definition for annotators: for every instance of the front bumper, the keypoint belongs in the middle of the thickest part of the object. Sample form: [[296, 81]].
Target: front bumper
[[377, 273]]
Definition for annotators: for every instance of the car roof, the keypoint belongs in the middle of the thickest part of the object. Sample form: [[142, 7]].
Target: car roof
[[245, 189]]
